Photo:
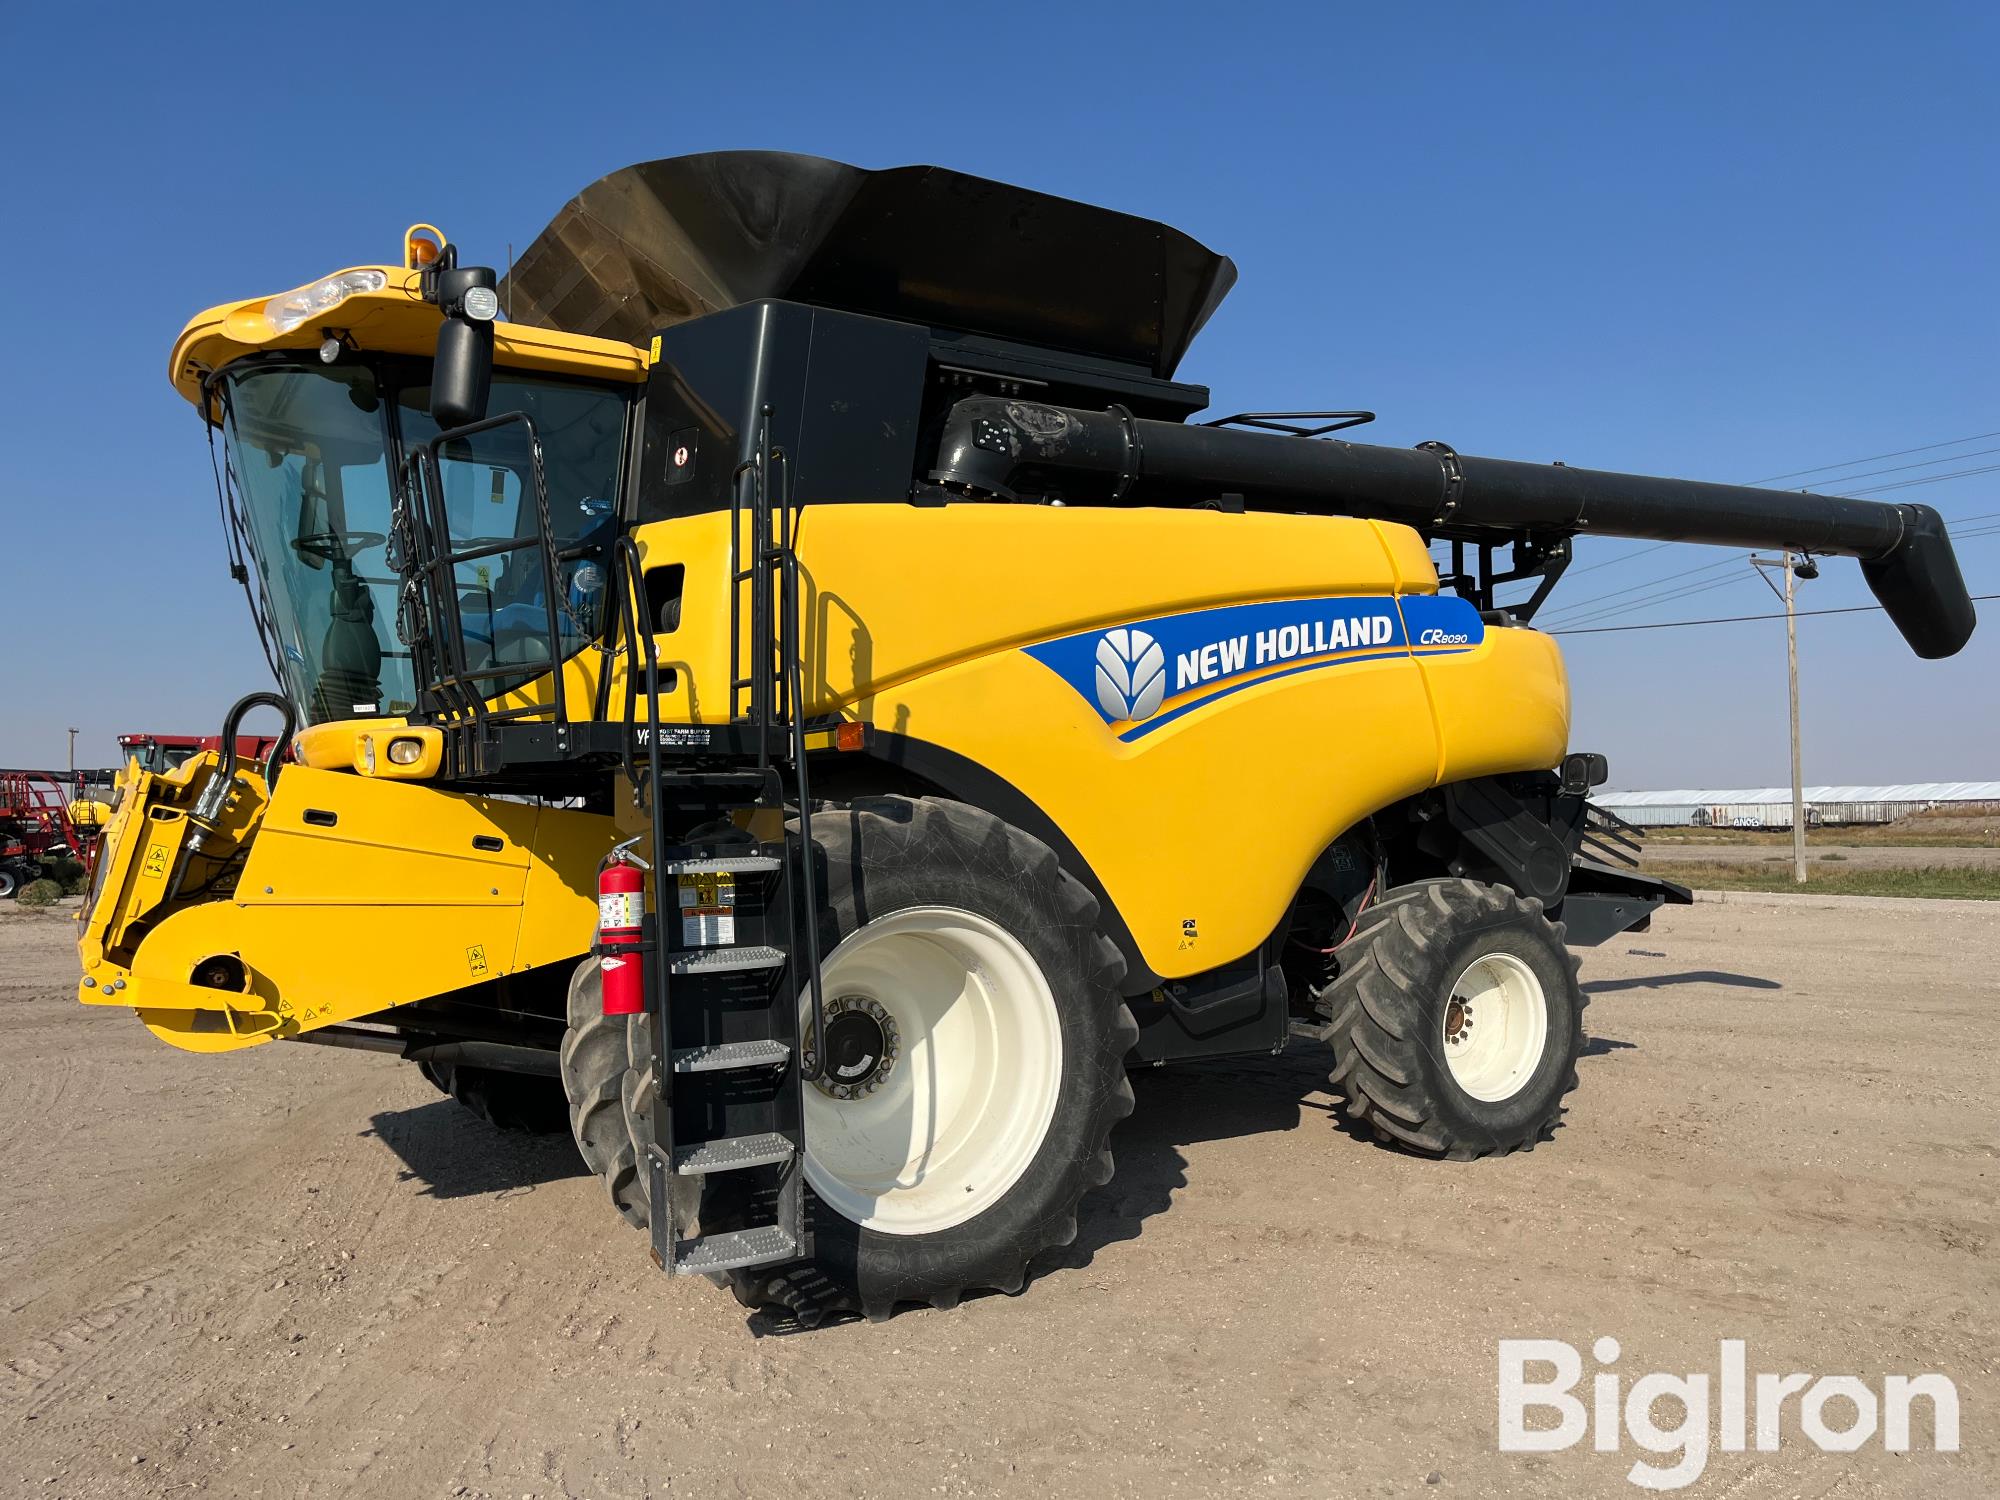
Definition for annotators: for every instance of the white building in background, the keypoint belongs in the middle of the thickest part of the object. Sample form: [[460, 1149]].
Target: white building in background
[[1771, 806]]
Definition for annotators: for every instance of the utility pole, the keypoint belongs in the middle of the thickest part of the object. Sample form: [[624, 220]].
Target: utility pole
[[1795, 568], [72, 754], [1798, 775]]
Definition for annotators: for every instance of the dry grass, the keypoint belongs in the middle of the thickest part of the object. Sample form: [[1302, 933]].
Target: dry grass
[[1965, 825], [1962, 882]]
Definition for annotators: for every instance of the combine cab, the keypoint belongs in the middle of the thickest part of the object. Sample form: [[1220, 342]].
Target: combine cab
[[803, 704], [160, 753]]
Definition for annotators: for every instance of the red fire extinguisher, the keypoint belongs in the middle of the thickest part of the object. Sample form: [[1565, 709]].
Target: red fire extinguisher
[[621, 920]]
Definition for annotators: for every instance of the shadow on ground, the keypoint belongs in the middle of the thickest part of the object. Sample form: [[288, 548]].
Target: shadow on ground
[[1692, 976], [454, 1154], [1175, 1107], [1181, 1106]]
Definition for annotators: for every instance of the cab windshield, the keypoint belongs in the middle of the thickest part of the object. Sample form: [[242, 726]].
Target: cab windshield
[[155, 757], [310, 450]]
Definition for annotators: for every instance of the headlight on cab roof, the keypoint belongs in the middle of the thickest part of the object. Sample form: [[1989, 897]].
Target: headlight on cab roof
[[293, 308]]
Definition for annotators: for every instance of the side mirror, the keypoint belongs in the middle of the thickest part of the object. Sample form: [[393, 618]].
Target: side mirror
[[462, 376], [1582, 771]]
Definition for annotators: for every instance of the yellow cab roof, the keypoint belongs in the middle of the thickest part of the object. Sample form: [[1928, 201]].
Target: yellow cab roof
[[395, 320]]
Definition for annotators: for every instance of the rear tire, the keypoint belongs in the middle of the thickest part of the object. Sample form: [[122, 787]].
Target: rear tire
[[522, 1103], [1427, 967], [8, 884]]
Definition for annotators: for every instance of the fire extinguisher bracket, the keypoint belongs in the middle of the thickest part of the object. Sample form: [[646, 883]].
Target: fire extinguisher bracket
[[648, 944]]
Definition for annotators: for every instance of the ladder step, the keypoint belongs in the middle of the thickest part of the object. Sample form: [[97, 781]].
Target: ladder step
[[728, 1252], [724, 1055], [728, 864], [732, 1154], [715, 1253], [726, 960]]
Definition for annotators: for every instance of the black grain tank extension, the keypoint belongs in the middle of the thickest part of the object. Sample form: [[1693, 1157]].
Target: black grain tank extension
[[656, 244], [856, 306]]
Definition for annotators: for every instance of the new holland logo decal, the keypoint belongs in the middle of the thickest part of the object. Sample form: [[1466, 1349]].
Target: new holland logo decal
[[1141, 677], [1131, 675]]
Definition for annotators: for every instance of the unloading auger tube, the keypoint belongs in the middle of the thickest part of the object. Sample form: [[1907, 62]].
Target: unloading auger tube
[[991, 445]]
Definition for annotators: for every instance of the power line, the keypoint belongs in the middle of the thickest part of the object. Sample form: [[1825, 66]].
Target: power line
[[1853, 609], [1625, 557], [1928, 463], [1639, 596], [1906, 484], [1686, 591], [1597, 617], [1877, 457], [1821, 469], [1572, 606], [1622, 557]]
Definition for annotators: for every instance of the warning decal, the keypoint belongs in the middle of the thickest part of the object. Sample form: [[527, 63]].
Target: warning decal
[[708, 910], [619, 910]]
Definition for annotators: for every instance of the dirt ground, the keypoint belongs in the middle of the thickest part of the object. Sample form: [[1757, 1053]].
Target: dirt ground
[[300, 1272]]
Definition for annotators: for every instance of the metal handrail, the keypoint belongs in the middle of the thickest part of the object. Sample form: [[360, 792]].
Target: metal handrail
[[785, 553], [453, 681]]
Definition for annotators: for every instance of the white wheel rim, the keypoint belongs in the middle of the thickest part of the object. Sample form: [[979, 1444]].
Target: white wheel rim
[[1495, 1027], [951, 1125]]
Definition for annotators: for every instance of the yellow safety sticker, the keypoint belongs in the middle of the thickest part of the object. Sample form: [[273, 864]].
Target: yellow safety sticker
[[654, 352], [156, 861], [708, 909], [475, 959]]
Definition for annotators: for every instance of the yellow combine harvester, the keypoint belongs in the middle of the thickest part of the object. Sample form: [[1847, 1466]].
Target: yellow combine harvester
[[785, 688]]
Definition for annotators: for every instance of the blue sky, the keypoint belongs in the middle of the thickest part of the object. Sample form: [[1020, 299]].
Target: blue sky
[[1717, 241]]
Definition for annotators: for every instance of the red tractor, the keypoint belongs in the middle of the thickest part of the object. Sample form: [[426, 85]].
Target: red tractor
[[48, 817], [160, 753], [35, 828]]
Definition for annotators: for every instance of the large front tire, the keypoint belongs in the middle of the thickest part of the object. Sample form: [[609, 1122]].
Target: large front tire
[[917, 895], [1456, 1020], [951, 1169]]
